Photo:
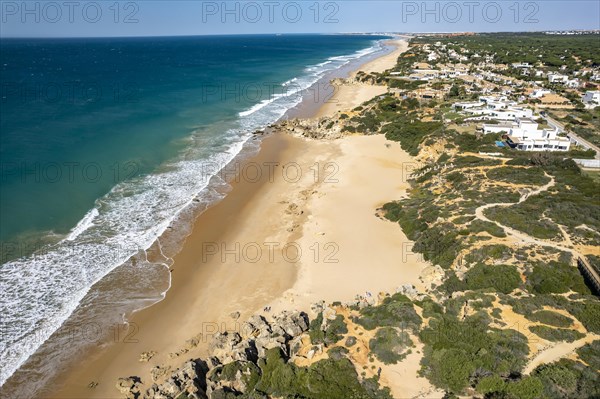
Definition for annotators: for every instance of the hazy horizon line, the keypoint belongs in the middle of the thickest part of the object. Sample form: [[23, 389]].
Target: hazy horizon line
[[592, 30]]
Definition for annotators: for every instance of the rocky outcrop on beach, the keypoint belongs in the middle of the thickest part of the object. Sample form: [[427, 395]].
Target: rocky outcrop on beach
[[276, 355], [130, 387], [258, 336], [326, 128], [189, 379], [233, 362]]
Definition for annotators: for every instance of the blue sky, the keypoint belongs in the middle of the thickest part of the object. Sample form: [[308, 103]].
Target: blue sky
[[195, 17]]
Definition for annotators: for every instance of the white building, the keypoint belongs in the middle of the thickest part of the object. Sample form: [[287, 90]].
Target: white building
[[467, 105], [524, 65], [557, 78], [502, 114], [572, 83], [592, 99], [493, 107], [539, 93], [523, 134]]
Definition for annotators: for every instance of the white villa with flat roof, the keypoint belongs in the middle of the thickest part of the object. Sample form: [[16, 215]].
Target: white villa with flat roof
[[591, 99], [502, 114], [491, 107], [557, 78], [523, 134]]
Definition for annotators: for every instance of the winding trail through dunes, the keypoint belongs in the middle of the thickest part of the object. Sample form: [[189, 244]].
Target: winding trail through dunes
[[516, 233], [526, 238], [561, 349], [556, 352]]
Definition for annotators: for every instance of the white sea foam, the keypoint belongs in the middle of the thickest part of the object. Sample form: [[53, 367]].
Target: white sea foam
[[312, 75], [39, 292], [83, 225]]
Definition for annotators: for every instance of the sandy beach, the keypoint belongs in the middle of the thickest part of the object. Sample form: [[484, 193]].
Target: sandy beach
[[346, 97], [300, 225]]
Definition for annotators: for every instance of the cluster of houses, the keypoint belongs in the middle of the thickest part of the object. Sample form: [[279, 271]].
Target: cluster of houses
[[505, 98], [572, 81], [541, 90], [514, 123], [424, 71]]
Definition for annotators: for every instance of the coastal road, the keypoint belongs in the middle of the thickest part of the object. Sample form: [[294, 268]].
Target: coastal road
[[581, 141]]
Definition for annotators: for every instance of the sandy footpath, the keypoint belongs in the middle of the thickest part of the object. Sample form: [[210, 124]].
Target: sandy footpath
[[305, 230]]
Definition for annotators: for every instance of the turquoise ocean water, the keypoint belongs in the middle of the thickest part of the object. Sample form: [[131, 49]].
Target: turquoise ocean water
[[105, 144]]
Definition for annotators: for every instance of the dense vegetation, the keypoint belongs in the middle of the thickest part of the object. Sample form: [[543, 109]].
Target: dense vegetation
[[325, 379], [508, 48], [459, 353]]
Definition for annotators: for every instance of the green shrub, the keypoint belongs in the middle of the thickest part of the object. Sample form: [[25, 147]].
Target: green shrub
[[464, 219], [491, 384], [394, 311], [389, 345], [555, 277], [331, 334], [551, 318], [556, 334], [405, 84], [439, 244], [567, 379], [325, 379], [526, 388], [337, 353], [472, 143], [532, 175], [489, 252], [590, 353], [468, 161], [500, 278], [249, 371], [478, 226], [526, 217], [495, 278], [456, 350]]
